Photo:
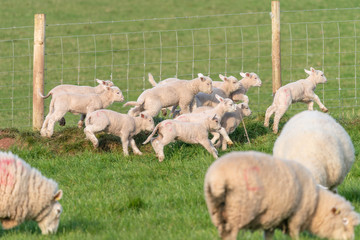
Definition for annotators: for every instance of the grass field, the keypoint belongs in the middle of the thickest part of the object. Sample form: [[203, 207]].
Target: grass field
[[108, 196]]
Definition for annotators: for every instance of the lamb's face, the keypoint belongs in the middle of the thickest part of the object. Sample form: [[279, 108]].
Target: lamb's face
[[255, 80], [148, 122], [234, 83], [230, 106], [205, 85], [214, 123], [245, 110], [320, 77], [117, 94], [50, 223]]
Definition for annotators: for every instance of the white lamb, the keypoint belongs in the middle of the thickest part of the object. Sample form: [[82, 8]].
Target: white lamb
[[228, 86], [299, 91], [27, 195], [249, 80], [67, 88], [78, 104], [188, 132], [317, 141], [252, 190], [122, 125], [225, 105], [179, 92]]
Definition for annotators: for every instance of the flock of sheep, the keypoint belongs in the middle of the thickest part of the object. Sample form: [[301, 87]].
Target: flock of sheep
[[294, 190]]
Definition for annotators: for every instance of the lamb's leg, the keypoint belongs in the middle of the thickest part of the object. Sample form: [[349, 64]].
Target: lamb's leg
[[278, 115], [268, 114], [229, 235], [268, 234], [8, 223], [216, 136], [81, 121], [240, 97], [223, 144], [125, 144], [44, 126], [56, 116], [223, 133], [134, 147], [310, 106], [317, 100], [90, 131], [206, 143]]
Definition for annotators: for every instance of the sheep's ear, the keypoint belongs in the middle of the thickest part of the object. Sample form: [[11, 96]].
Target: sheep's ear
[[307, 71], [142, 115], [214, 117], [223, 77], [58, 195], [200, 75], [242, 74], [312, 69], [219, 98], [335, 211], [100, 81]]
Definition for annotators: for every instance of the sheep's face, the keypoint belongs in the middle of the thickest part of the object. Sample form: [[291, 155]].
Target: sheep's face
[[317, 75], [148, 122], [118, 96], [205, 85], [335, 220], [214, 123], [253, 79], [245, 110], [50, 221], [232, 83]]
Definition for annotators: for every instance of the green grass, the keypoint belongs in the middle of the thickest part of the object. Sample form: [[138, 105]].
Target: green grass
[[108, 196]]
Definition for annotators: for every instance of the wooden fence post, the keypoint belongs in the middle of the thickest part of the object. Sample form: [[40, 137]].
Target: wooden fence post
[[38, 70], [275, 52]]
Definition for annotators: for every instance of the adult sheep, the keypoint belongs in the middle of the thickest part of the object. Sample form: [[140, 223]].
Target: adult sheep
[[252, 190], [27, 195], [317, 141]]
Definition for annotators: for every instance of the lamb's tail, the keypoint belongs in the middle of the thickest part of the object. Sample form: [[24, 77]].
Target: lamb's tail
[[151, 80], [152, 134], [40, 94]]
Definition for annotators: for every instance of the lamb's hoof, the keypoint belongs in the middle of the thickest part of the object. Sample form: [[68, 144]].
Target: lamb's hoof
[[230, 143], [62, 122], [138, 153], [275, 131], [161, 158], [325, 110], [266, 124]]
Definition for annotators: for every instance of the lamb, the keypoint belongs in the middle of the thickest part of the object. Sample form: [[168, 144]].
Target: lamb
[[249, 80], [27, 195], [180, 92], [231, 120], [78, 104], [188, 132], [225, 105], [318, 142], [66, 88], [228, 86], [122, 125], [299, 91], [252, 190]]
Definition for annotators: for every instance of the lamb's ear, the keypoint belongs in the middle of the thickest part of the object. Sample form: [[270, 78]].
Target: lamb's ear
[[58, 195], [101, 81], [223, 77], [307, 71], [219, 98], [142, 115], [335, 211], [242, 74], [200, 75], [312, 69], [214, 117]]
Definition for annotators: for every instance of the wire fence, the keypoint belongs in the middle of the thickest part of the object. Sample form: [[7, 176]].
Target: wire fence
[[127, 50]]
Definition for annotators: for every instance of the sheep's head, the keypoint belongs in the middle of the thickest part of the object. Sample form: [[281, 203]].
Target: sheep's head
[[252, 79], [232, 83], [245, 110], [317, 75], [148, 122], [228, 104], [205, 85], [214, 123], [117, 94], [334, 217], [51, 215]]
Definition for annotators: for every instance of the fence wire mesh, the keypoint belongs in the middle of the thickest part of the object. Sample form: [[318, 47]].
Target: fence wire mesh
[[127, 50]]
